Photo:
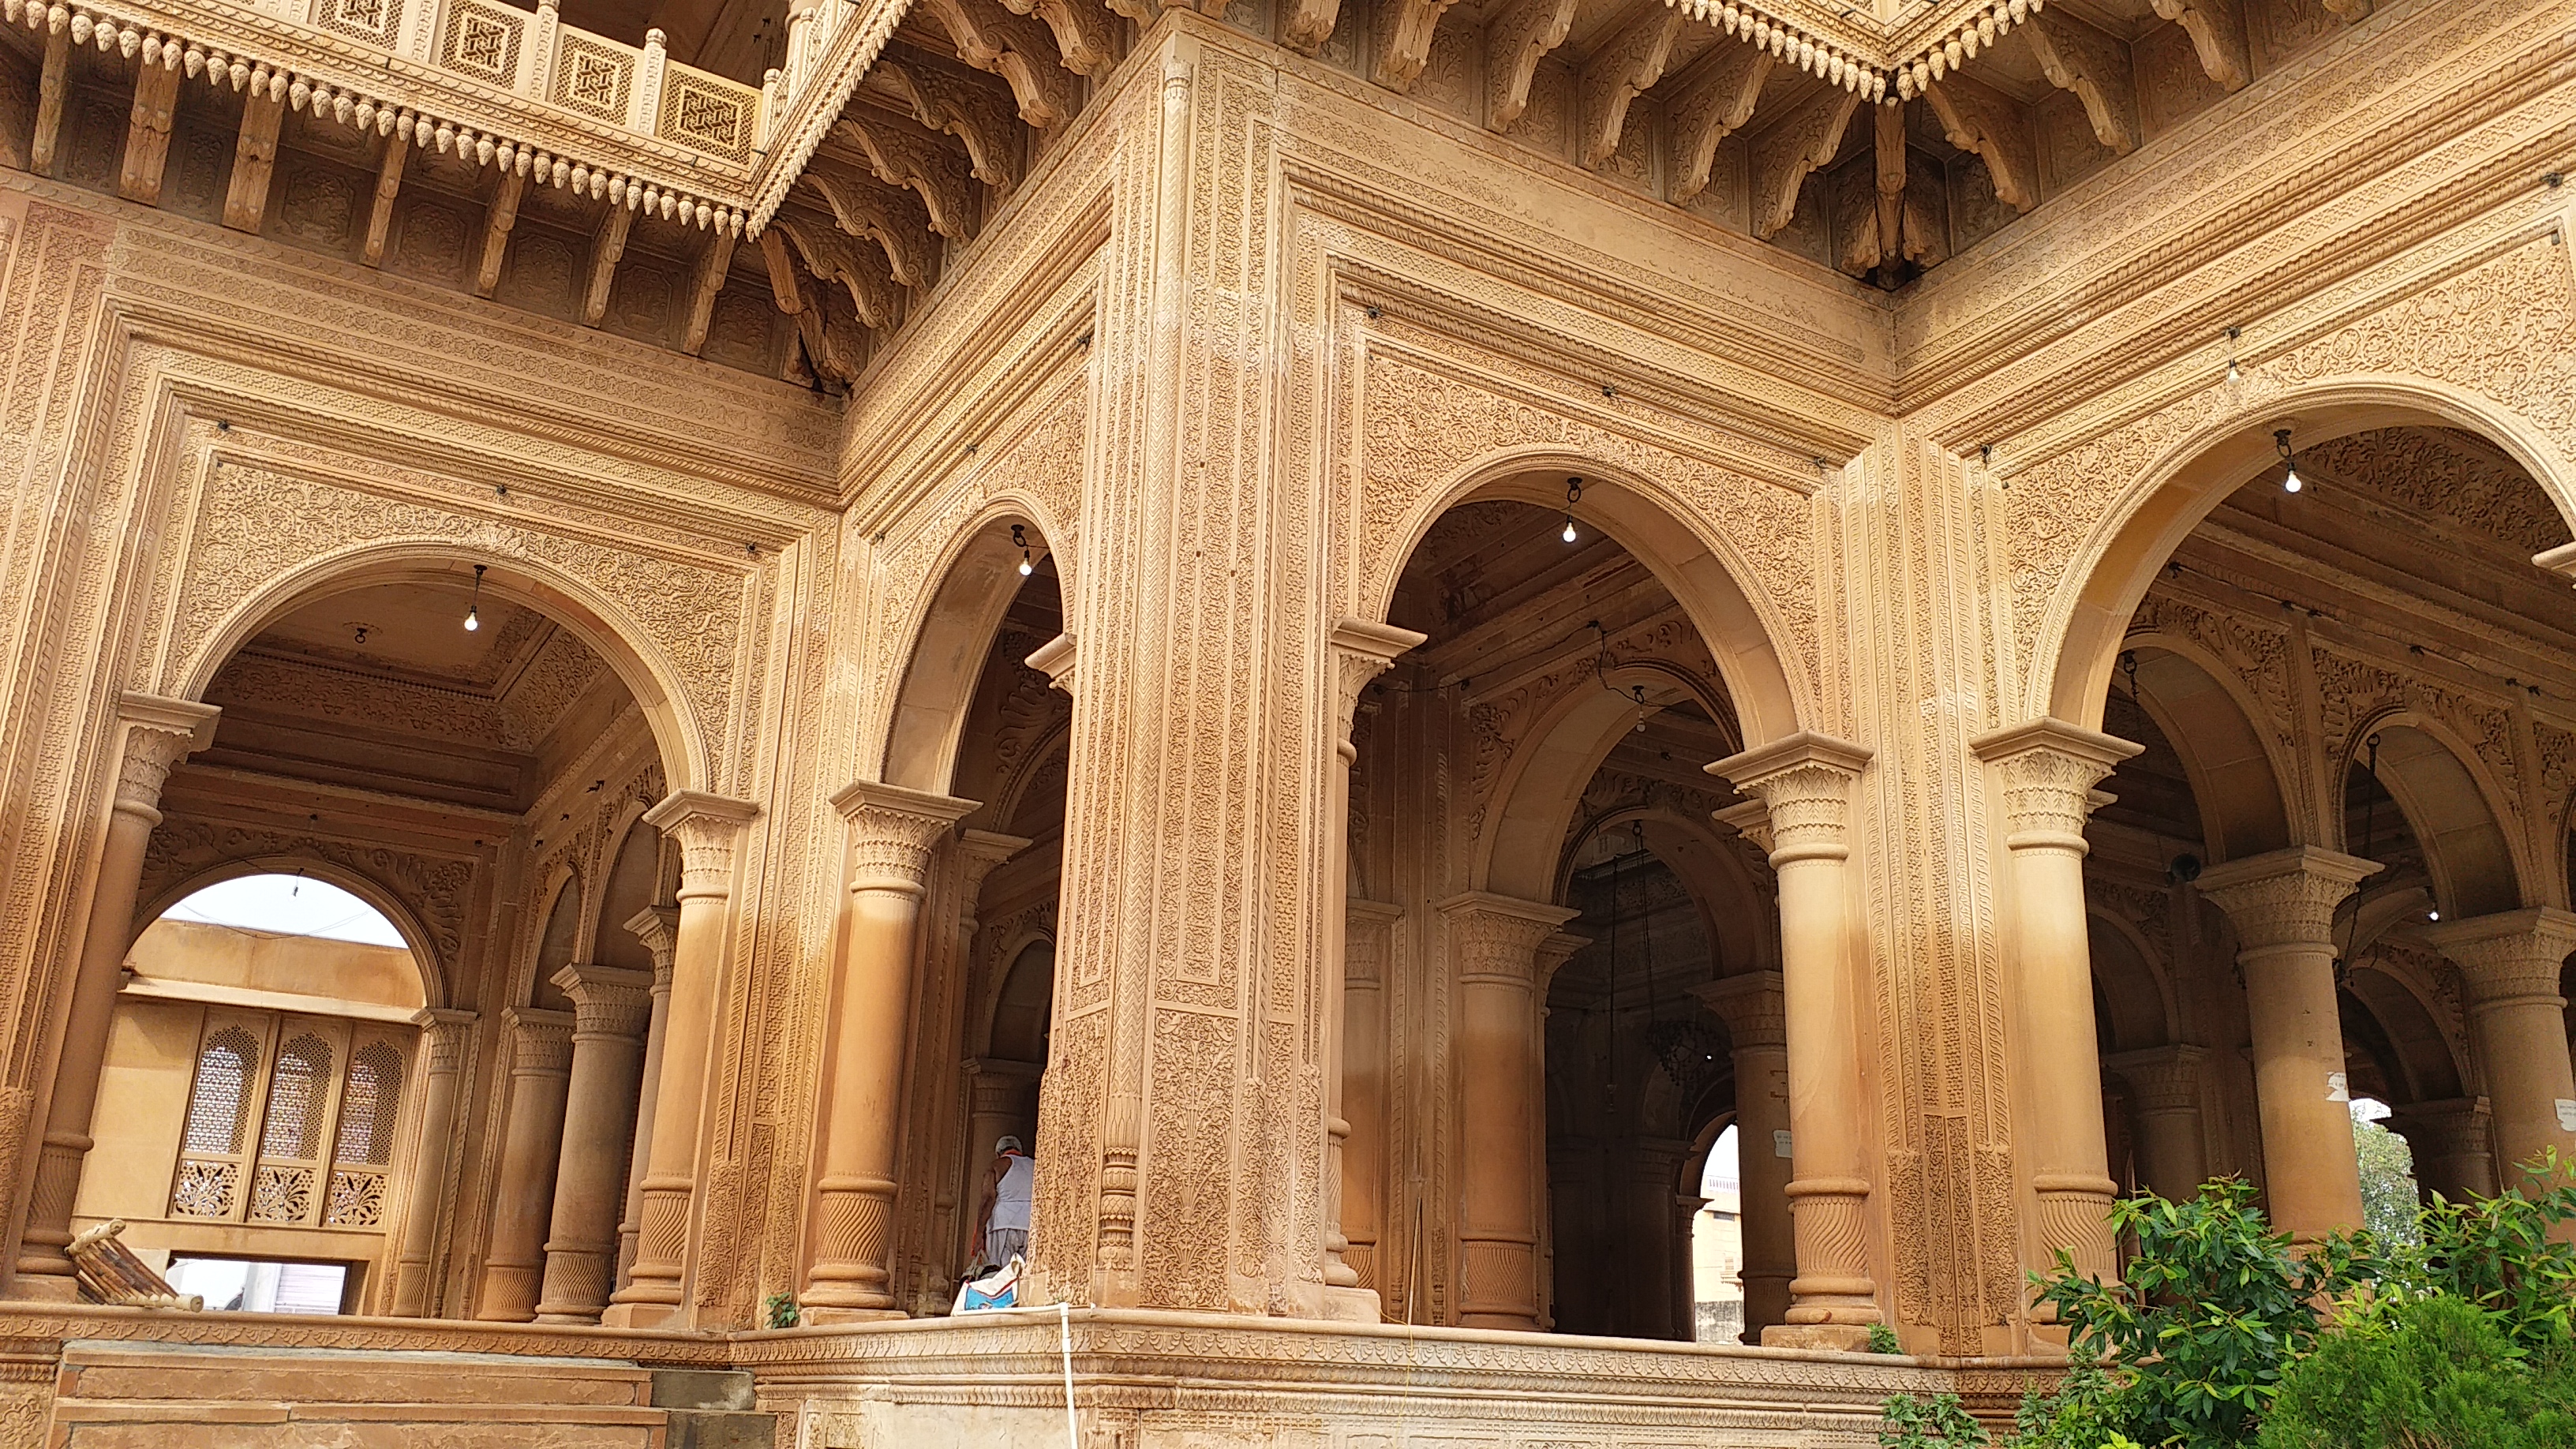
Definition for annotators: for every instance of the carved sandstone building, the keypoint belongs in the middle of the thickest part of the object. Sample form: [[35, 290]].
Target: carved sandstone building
[[1367, 620]]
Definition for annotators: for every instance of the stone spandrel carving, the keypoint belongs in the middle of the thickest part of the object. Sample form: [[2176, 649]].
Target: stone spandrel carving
[[434, 891]]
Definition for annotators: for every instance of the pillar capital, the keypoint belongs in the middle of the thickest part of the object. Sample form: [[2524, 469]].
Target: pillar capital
[[444, 1033], [1498, 937], [658, 927], [1752, 1006], [2284, 897], [2442, 1128], [893, 832], [2161, 1079], [607, 1000], [981, 853], [707, 827], [1750, 819], [159, 733], [1054, 659], [2049, 769], [1361, 652], [2510, 955], [1804, 784], [540, 1041]]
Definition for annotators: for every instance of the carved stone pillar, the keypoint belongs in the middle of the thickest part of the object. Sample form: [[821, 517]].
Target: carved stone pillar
[[2282, 904], [892, 834], [706, 827], [2511, 961], [1494, 944], [1364, 1088], [513, 1255], [2048, 769], [1804, 782], [1658, 1240], [658, 927], [612, 1011], [158, 733], [443, 1039], [1362, 651], [2451, 1142], [1757, 1020], [2164, 1095]]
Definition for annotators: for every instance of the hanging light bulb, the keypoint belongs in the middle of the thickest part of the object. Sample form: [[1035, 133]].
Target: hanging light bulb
[[1573, 495], [1020, 540], [2233, 374], [473, 606], [2432, 915], [2290, 480], [1640, 692]]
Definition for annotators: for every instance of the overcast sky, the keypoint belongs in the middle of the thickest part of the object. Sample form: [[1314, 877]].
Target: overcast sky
[[290, 906]]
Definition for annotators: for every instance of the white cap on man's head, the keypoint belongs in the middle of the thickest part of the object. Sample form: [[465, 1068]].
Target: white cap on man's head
[[1008, 1144]]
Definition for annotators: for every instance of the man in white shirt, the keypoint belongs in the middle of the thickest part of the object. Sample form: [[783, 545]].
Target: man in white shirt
[[1002, 1224]]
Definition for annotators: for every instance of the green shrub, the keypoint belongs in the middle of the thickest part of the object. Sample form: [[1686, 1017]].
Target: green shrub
[[2497, 1253], [1906, 1422], [1882, 1339], [2435, 1372]]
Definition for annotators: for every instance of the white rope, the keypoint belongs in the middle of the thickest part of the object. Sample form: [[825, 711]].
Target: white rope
[[1064, 1341]]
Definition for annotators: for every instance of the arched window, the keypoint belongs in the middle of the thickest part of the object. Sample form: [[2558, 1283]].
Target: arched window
[[219, 1100], [295, 1099], [369, 1106]]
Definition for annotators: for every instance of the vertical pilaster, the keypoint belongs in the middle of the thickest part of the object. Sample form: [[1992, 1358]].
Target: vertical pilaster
[[2164, 1092], [2048, 769], [444, 1036], [1757, 1023], [1804, 782], [158, 733], [2512, 960], [893, 832], [707, 828], [2282, 904], [658, 927], [612, 1011], [513, 1254], [1364, 1089]]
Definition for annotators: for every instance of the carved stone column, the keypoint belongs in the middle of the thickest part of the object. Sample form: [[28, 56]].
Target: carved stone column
[[513, 1255], [1362, 651], [2511, 961], [612, 1011], [892, 834], [1364, 1085], [1804, 783], [2048, 769], [443, 1039], [2282, 904], [158, 733], [1658, 1233], [2164, 1092], [1757, 1020], [2451, 1142], [707, 827], [1494, 943], [658, 927]]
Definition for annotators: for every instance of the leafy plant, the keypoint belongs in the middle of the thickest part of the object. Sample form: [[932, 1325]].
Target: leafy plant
[[2080, 1413], [2435, 1372], [1906, 1422], [2388, 1206], [2498, 1253], [1882, 1339], [778, 1310]]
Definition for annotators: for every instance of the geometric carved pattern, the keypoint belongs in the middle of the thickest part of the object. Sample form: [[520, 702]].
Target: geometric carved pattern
[[592, 78], [220, 1099], [205, 1189], [281, 1194], [481, 40], [377, 22], [710, 114]]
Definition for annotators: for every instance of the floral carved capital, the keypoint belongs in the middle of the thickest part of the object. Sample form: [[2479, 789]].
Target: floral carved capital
[[1752, 1006], [1361, 652], [658, 927], [2509, 956], [445, 1034], [540, 1041], [1497, 939], [159, 733], [2049, 768], [707, 828], [1804, 783], [893, 832], [607, 1000], [2284, 898]]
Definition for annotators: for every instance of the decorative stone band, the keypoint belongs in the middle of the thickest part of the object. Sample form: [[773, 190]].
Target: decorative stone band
[[158, 734], [658, 927], [2284, 898], [2162, 1080], [2049, 768], [1870, 58], [1804, 783], [707, 827], [893, 832], [2510, 958], [1751, 1005], [1363, 651], [607, 1001], [540, 1041]]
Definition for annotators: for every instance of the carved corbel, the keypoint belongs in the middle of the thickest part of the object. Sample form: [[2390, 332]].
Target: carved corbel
[[1976, 118], [1309, 24], [1405, 47], [1622, 68], [147, 134], [902, 154], [713, 265], [1715, 107], [53, 84], [2097, 68], [813, 324], [1054, 659], [1890, 142], [1016, 48], [2217, 31], [1085, 37], [498, 218], [973, 110], [380, 215], [893, 219], [1784, 155], [1515, 43], [833, 255], [254, 159], [606, 246]]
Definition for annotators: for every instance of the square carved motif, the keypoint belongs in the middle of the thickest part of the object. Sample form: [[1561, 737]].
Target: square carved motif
[[481, 41], [375, 22], [702, 111], [593, 79]]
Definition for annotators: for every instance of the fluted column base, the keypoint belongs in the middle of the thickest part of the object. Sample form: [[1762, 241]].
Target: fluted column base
[[1496, 1282], [849, 1282], [44, 1273]]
